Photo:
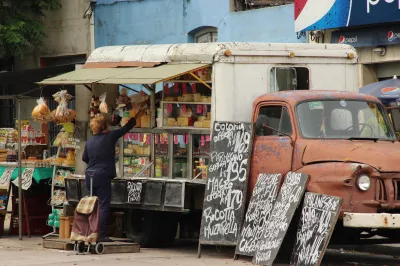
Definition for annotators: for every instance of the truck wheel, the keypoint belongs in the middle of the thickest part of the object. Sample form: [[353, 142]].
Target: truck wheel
[[169, 228], [143, 227]]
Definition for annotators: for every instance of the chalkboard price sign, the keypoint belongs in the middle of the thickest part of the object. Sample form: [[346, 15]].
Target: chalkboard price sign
[[260, 207], [275, 228], [318, 219], [226, 186], [134, 192]]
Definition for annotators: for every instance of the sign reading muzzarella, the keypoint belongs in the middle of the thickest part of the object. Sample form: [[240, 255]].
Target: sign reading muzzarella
[[260, 207], [275, 228], [226, 186]]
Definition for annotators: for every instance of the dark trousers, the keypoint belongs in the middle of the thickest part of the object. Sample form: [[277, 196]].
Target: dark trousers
[[101, 189]]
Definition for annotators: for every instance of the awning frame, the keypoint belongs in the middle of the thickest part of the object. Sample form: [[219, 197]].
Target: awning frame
[[152, 81]]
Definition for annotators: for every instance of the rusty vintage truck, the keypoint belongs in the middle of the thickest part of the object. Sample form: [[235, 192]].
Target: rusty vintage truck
[[347, 145]]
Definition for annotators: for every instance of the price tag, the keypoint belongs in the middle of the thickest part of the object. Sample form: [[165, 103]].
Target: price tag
[[27, 176], [199, 109], [169, 108], [184, 88], [6, 177], [194, 87], [176, 140], [202, 140]]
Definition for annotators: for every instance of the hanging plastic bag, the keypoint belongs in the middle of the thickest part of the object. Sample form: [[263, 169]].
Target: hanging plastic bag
[[62, 114], [103, 105], [41, 112], [62, 95]]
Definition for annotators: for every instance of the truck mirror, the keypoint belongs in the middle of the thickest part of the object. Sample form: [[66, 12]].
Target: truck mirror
[[395, 111]]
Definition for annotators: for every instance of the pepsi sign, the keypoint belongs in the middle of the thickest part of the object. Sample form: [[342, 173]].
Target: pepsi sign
[[371, 36], [328, 14]]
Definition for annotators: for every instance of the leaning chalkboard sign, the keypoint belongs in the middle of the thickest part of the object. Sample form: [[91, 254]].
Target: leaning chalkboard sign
[[260, 207], [318, 219], [225, 195], [275, 228]]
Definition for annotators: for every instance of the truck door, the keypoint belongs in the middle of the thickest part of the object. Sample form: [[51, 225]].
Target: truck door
[[272, 150]]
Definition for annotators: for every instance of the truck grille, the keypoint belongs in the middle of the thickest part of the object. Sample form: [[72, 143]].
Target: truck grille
[[381, 194], [396, 185]]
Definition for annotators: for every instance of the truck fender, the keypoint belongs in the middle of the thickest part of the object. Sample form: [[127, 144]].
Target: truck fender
[[339, 179]]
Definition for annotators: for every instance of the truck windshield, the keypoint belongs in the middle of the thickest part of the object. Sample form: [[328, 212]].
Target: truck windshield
[[344, 119]]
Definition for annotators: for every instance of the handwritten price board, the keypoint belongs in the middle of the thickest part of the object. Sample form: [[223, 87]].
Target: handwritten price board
[[318, 219], [27, 176], [278, 223], [134, 192], [260, 207], [225, 195], [6, 177]]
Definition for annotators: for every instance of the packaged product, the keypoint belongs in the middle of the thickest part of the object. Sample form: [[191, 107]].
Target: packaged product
[[103, 105], [41, 112]]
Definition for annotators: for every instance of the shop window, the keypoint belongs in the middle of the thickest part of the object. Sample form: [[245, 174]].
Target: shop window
[[289, 78], [241, 5], [205, 35], [161, 155], [273, 119], [179, 169], [201, 155], [136, 152]]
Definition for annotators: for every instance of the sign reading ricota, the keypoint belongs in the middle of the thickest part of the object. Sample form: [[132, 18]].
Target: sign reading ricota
[[225, 195]]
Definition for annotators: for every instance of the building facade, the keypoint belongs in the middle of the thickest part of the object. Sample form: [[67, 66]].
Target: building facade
[[133, 22], [372, 27]]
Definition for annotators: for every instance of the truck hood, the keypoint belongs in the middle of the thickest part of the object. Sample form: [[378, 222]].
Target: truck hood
[[382, 155]]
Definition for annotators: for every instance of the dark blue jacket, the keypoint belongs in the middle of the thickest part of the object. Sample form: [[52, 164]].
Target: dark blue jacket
[[99, 153]]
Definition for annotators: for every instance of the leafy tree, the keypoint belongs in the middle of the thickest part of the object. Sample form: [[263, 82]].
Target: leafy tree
[[21, 28]]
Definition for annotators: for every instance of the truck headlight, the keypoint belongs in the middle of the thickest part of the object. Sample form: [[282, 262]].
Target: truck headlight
[[363, 182]]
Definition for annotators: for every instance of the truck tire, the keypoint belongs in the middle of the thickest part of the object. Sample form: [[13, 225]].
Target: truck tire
[[143, 227], [151, 228], [169, 229]]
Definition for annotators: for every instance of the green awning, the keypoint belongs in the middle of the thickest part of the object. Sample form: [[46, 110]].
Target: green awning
[[85, 76], [151, 75], [126, 75]]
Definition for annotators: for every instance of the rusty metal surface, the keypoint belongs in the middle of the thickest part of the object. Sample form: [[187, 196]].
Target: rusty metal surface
[[333, 165], [382, 155], [294, 97]]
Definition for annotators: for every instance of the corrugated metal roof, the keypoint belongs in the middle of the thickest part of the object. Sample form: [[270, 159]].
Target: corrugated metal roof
[[85, 76], [194, 52]]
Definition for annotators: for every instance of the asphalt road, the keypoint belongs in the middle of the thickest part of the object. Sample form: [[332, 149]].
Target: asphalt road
[[30, 252]]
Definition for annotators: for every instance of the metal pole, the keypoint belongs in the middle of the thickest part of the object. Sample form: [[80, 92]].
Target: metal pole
[[19, 171]]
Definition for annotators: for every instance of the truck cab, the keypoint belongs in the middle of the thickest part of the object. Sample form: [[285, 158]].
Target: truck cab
[[344, 141]]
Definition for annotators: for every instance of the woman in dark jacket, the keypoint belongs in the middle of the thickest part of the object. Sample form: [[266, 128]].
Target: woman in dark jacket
[[99, 155]]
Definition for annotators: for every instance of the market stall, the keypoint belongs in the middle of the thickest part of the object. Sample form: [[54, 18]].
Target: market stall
[[166, 155], [28, 173]]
